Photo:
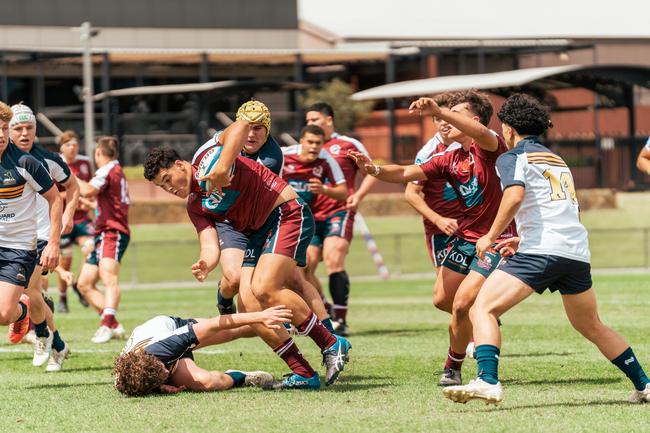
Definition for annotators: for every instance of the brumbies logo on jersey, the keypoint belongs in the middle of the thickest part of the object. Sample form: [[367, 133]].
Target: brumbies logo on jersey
[[8, 179]]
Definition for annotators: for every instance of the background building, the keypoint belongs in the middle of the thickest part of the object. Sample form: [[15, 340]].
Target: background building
[[274, 50]]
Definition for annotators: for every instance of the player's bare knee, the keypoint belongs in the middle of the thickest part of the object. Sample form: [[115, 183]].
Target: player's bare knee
[[461, 307], [591, 328], [264, 294], [442, 303]]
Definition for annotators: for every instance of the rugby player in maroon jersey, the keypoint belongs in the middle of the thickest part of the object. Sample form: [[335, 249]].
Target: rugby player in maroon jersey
[[333, 249], [279, 226], [112, 236], [470, 170]]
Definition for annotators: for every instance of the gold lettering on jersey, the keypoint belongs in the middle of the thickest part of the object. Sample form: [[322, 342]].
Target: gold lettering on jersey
[[561, 185]]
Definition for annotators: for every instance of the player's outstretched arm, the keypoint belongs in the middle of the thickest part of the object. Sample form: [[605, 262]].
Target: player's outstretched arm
[[209, 255], [392, 173], [469, 126], [71, 202], [50, 255], [413, 196], [272, 318], [352, 203], [86, 189]]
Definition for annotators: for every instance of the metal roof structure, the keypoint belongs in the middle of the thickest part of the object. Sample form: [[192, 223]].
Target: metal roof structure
[[607, 80]]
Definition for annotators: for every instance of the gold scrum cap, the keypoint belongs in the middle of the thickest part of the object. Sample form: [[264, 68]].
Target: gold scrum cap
[[255, 112]]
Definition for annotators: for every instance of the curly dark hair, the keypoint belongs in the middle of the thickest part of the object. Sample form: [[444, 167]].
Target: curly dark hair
[[158, 158], [478, 102], [443, 99], [139, 373], [527, 115]]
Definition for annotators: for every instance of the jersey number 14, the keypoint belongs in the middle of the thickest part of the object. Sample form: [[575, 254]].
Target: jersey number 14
[[561, 186]]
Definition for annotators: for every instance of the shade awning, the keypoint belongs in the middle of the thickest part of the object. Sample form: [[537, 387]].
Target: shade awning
[[200, 87], [166, 88], [429, 86]]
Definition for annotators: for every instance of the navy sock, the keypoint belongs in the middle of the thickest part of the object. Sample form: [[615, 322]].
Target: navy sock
[[57, 342], [487, 357], [629, 365], [340, 291], [40, 329], [226, 302], [327, 323], [23, 312], [238, 378]]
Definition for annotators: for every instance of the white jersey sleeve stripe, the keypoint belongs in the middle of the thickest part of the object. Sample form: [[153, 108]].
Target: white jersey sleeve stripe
[[101, 175], [291, 150], [334, 166], [360, 147]]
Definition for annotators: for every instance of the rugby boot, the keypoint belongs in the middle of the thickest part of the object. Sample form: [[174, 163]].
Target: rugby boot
[[19, 328], [640, 396], [450, 377], [42, 350], [259, 379], [476, 389], [295, 381], [56, 359], [334, 359]]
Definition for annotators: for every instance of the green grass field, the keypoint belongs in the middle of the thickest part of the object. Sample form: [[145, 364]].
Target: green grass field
[[554, 381]]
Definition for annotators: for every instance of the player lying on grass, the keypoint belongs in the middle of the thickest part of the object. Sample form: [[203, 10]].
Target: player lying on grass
[[553, 253], [158, 355]]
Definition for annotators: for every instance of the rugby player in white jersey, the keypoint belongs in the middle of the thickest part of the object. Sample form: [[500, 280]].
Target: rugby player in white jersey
[[21, 177], [553, 253], [158, 355], [23, 134]]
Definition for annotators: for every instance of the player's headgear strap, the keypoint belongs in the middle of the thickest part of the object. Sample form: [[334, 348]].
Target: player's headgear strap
[[255, 112], [22, 114]]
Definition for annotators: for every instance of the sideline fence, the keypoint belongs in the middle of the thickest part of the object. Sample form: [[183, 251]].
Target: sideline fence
[[404, 253]]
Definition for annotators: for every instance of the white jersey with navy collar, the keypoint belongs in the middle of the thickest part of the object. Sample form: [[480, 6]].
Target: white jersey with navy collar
[[60, 172], [548, 220], [21, 177]]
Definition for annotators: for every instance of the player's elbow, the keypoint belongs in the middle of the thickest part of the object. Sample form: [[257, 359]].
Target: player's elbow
[[641, 163], [410, 197]]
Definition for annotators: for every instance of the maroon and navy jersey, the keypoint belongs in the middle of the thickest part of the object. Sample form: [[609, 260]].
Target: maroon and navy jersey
[[473, 177], [438, 193], [245, 203], [338, 146], [112, 200], [298, 173], [81, 168]]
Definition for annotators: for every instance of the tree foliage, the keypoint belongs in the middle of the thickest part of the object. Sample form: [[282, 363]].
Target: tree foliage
[[337, 93]]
